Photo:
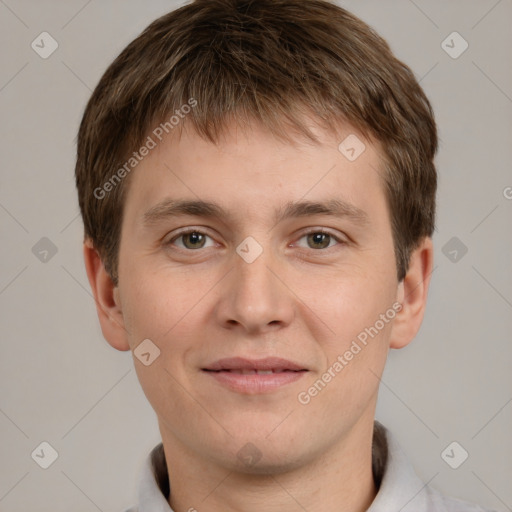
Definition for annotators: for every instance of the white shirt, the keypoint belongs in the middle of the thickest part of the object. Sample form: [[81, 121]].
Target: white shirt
[[400, 488]]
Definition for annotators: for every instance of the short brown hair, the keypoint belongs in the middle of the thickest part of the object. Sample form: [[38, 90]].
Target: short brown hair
[[270, 61]]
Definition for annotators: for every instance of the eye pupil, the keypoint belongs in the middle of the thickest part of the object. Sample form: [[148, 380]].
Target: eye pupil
[[193, 237], [315, 240], [319, 238]]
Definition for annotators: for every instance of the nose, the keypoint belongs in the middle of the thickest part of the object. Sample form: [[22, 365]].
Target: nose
[[255, 297]]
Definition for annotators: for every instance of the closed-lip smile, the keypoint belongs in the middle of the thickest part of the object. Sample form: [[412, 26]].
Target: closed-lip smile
[[254, 376]]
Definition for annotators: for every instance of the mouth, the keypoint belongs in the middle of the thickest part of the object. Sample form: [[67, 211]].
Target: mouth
[[255, 376], [248, 371], [248, 366]]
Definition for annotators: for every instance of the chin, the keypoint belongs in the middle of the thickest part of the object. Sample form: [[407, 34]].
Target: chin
[[268, 463]]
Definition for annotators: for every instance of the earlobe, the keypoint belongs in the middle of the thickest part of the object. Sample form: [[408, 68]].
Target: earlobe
[[106, 296], [412, 294]]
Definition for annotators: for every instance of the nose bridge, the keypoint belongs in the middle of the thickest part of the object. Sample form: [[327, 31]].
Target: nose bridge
[[256, 299], [253, 276]]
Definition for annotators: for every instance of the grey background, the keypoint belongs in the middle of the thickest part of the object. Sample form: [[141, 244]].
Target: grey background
[[62, 383]]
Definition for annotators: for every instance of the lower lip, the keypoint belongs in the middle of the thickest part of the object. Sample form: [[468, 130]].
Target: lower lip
[[255, 383]]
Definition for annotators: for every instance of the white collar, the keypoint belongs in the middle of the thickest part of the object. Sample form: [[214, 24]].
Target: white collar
[[400, 488]]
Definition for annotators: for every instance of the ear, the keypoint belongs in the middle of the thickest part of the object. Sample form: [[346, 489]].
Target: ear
[[106, 296], [412, 294]]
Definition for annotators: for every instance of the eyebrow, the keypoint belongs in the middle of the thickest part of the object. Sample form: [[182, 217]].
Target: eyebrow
[[169, 208]]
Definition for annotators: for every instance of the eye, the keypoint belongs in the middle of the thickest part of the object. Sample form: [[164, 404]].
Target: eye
[[191, 239], [321, 239]]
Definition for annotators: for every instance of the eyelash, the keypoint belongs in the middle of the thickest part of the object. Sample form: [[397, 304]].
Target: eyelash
[[310, 232]]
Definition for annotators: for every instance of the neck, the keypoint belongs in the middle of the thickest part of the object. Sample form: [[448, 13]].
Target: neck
[[341, 480]]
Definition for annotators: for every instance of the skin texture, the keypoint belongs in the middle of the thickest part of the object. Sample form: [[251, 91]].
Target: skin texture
[[301, 300]]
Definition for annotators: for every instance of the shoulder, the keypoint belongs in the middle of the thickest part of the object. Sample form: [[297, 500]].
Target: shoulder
[[442, 503], [402, 489]]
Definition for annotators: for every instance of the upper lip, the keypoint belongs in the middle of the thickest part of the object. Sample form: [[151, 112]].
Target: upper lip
[[241, 363]]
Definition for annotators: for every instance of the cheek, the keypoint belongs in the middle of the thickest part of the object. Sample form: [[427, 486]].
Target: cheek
[[154, 304], [347, 302], [161, 311], [354, 342], [168, 310]]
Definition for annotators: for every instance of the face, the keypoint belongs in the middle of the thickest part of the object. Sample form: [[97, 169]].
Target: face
[[273, 315]]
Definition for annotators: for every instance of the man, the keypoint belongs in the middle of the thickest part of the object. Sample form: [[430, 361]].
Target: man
[[257, 184]]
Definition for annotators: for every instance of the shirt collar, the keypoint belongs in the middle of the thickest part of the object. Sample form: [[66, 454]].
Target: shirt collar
[[399, 488]]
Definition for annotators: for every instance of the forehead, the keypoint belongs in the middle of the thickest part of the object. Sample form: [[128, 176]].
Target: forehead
[[251, 170]]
